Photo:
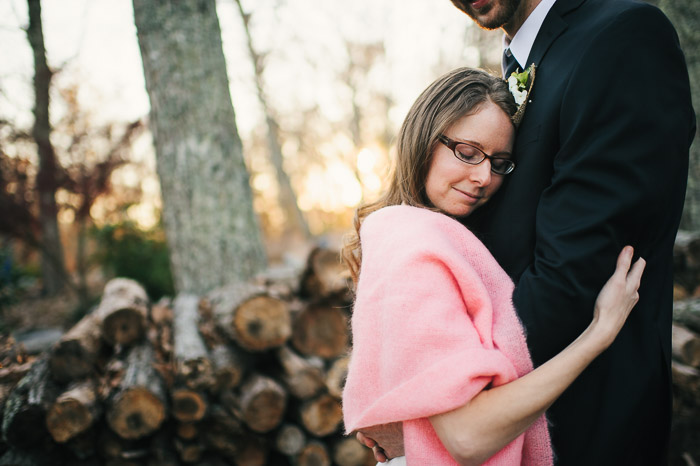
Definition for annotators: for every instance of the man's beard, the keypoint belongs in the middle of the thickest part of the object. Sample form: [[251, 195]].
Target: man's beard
[[504, 15]]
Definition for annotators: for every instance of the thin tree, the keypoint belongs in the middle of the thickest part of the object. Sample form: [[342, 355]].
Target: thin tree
[[52, 262], [287, 197], [212, 231]]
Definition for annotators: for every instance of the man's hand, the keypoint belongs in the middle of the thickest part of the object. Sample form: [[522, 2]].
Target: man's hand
[[386, 440]]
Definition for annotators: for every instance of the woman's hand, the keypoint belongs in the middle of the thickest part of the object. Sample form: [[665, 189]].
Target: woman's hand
[[386, 440], [617, 298]]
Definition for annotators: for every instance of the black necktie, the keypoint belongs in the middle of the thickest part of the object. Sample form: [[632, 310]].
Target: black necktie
[[510, 64]]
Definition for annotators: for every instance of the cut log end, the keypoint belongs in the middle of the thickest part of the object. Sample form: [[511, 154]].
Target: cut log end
[[350, 452], [261, 323], [70, 360], [321, 331], [314, 454], [68, 418], [262, 402], [136, 413], [322, 416], [124, 326], [188, 405]]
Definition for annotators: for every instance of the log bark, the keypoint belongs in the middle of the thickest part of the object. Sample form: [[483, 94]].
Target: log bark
[[187, 430], [161, 448], [255, 320], [138, 406], [321, 416], [290, 440], [320, 330], [253, 452], [687, 313], [19, 457], [302, 378], [325, 275], [687, 380], [349, 452], [83, 446], [685, 346], [223, 432], [188, 405], [74, 412], [193, 366], [313, 454], [75, 354], [189, 452], [262, 403], [335, 378], [123, 312], [12, 374], [25, 410], [229, 367]]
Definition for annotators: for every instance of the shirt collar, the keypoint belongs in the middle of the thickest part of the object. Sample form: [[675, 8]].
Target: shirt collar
[[522, 42]]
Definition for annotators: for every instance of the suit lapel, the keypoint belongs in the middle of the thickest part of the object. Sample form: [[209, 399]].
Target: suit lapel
[[552, 27]]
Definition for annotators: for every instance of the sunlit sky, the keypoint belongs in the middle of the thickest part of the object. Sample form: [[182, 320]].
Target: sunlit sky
[[94, 41]]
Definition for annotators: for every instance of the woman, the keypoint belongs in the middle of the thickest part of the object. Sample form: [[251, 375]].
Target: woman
[[437, 345]]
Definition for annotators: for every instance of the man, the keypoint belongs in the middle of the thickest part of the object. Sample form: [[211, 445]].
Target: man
[[602, 159]]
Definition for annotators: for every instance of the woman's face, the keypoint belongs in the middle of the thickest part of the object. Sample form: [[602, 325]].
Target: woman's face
[[458, 188]]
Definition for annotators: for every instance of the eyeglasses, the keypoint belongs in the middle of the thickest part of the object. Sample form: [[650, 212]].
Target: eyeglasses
[[474, 156]]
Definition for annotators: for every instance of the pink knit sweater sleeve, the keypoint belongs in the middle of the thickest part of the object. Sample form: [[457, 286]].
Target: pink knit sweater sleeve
[[421, 326]]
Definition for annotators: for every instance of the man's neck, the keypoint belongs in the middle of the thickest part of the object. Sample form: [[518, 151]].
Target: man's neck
[[519, 17]]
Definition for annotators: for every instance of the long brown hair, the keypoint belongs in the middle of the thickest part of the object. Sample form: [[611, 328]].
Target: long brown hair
[[451, 97]]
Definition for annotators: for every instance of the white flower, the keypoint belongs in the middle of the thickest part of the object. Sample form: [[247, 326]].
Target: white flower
[[519, 93]]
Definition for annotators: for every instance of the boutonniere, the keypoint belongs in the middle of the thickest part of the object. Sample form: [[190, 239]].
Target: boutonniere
[[520, 85]]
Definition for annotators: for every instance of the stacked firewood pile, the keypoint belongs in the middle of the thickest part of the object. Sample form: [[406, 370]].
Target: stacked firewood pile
[[248, 375], [685, 437]]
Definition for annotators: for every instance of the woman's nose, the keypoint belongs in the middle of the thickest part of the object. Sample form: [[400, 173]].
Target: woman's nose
[[481, 174]]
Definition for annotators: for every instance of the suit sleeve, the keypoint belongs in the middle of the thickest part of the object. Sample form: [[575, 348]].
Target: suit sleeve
[[619, 176]]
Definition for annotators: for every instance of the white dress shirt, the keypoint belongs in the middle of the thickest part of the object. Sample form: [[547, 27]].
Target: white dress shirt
[[521, 44]]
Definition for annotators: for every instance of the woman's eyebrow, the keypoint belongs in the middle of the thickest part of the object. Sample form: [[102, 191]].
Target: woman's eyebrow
[[477, 144]]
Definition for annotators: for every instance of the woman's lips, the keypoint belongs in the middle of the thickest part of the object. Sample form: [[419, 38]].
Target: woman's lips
[[478, 4], [471, 198]]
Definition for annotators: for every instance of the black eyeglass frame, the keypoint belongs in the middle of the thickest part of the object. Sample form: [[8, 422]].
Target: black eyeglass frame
[[452, 145]]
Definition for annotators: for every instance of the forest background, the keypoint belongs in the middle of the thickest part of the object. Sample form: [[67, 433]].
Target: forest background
[[319, 90]]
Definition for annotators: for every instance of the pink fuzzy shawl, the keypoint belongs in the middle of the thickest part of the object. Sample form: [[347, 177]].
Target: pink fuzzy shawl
[[433, 325]]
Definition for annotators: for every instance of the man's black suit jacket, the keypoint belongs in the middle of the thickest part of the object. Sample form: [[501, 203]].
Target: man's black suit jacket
[[602, 161]]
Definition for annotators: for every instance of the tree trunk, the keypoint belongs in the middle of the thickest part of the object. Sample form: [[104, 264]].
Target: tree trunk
[[52, 264], [286, 196], [685, 16], [212, 231]]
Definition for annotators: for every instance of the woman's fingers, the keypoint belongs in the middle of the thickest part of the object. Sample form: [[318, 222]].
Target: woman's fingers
[[366, 441], [379, 454], [624, 260], [634, 277]]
